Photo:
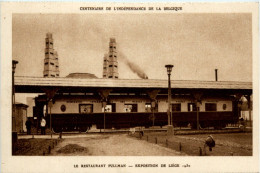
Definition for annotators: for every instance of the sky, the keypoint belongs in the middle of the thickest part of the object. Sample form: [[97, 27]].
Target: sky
[[195, 44]]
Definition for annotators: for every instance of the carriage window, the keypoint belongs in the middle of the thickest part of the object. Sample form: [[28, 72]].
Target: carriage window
[[110, 107], [176, 107], [191, 107], [85, 108], [148, 107], [210, 106], [224, 106], [130, 108]]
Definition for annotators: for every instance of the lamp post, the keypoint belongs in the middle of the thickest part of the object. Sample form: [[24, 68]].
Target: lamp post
[[14, 133], [104, 103], [170, 126], [14, 62]]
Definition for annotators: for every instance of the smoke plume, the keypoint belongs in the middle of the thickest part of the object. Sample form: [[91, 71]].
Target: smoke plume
[[135, 68]]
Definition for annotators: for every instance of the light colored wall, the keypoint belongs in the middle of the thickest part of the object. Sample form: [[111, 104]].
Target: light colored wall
[[120, 103], [141, 107], [70, 107], [97, 107], [219, 104], [162, 106], [73, 107], [119, 107], [31, 104], [24, 119], [20, 118]]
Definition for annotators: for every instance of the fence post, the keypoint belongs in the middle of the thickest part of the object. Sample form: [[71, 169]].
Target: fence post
[[147, 138], [60, 135], [180, 147], [156, 140], [200, 151], [49, 151], [166, 143]]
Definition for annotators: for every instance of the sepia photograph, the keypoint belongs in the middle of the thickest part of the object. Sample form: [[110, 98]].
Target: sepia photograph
[[103, 87]]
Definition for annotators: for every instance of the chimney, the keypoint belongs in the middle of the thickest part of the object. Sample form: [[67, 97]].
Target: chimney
[[216, 74], [112, 65], [51, 64]]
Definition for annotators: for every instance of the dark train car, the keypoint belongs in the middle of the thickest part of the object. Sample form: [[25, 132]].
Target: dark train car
[[81, 112]]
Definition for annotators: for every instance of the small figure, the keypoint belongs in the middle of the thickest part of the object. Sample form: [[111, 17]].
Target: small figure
[[43, 124], [209, 143], [242, 124], [28, 125]]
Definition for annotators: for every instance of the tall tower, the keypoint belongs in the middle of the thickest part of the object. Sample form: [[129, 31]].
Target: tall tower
[[51, 65], [112, 60], [105, 66], [57, 71]]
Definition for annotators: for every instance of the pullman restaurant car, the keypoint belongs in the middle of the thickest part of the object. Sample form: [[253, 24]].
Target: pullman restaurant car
[[109, 104]]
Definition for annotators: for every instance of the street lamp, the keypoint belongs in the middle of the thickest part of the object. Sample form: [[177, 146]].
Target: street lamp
[[14, 62], [104, 103], [14, 133], [170, 126]]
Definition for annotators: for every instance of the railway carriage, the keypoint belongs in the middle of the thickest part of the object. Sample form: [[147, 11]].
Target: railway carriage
[[125, 110]]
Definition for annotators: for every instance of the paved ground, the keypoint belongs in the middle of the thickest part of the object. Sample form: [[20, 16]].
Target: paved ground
[[232, 144], [114, 144], [110, 145]]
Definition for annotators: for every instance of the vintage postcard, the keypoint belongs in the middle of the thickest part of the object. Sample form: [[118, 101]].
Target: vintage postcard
[[129, 87]]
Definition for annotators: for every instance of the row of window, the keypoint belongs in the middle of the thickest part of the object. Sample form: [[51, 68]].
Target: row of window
[[50, 64], [48, 53], [48, 43], [51, 75], [110, 66], [192, 107], [112, 76], [112, 47], [112, 56], [176, 107], [109, 76]]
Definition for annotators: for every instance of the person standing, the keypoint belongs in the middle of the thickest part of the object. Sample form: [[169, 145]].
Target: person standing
[[28, 125], [43, 124]]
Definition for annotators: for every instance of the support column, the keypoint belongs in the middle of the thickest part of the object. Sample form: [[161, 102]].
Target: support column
[[153, 94], [248, 97], [197, 96], [50, 93], [104, 98]]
